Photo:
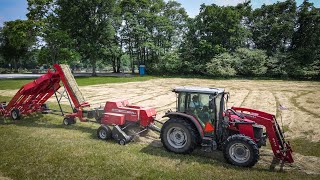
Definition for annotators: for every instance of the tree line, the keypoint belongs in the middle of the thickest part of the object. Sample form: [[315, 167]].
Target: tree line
[[277, 40]]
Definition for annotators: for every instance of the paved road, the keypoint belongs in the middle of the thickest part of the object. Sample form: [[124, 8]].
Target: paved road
[[19, 76], [34, 76]]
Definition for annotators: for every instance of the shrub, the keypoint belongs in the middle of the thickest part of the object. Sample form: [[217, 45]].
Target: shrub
[[250, 62], [221, 65]]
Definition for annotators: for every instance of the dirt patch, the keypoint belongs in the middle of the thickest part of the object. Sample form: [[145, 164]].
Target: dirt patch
[[4, 178]]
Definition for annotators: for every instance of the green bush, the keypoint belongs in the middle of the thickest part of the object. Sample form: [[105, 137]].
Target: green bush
[[169, 63], [250, 62], [277, 65], [222, 65]]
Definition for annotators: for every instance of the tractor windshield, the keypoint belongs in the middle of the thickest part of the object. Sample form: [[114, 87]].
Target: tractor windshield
[[219, 106], [198, 105]]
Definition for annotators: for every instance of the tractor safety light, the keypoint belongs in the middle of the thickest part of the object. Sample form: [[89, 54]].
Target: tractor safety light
[[208, 127]]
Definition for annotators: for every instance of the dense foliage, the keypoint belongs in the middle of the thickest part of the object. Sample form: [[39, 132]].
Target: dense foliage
[[277, 40]]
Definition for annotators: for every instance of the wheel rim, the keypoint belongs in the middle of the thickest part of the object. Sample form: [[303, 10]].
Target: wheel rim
[[177, 137], [122, 142], [239, 153], [103, 134], [14, 115], [66, 121]]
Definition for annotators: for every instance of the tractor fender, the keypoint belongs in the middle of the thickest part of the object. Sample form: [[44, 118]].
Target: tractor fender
[[187, 117]]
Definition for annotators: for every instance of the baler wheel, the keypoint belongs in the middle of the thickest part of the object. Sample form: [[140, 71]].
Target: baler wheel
[[15, 114], [122, 142], [104, 132], [241, 150]]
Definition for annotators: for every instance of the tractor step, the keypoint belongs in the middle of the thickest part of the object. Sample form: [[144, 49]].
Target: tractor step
[[208, 144]]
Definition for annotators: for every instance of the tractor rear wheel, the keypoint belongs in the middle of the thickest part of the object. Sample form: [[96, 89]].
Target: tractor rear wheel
[[15, 114], [104, 132], [179, 136], [241, 150]]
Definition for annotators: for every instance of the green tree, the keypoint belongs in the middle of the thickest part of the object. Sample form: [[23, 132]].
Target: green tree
[[272, 26], [55, 44], [17, 38], [305, 45], [215, 30], [89, 23]]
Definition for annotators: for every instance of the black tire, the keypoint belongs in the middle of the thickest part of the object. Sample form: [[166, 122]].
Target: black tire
[[15, 114], [240, 150], [175, 130], [68, 121], [104, 132], [44, 108], [122, 142]]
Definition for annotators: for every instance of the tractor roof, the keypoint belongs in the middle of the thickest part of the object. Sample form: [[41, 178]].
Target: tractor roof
[[204, 90]]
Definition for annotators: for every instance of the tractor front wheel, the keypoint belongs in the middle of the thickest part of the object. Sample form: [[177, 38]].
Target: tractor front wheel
[[241, 150], [179, 136]]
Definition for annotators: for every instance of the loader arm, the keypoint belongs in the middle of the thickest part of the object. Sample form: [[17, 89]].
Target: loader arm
[[281, 149]]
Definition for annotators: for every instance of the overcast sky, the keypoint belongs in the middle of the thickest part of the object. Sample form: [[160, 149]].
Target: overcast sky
[[17, 9]]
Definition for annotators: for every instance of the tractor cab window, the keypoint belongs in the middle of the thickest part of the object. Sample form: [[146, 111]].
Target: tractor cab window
[[219, 106], [181, 107], [198, 106]]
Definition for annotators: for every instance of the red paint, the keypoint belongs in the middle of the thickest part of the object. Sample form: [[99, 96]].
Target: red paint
[[138, 114], [281, 149]]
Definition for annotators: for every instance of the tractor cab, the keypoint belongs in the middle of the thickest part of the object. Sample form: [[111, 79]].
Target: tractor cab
[[205, 104]]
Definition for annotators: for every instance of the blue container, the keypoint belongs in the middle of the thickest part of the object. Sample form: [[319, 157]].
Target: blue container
[[142, 70]]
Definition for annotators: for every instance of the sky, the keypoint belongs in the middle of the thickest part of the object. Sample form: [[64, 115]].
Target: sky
[[17, 9]]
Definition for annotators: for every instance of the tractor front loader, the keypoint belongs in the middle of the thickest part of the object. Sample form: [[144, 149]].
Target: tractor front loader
[[201, 119]]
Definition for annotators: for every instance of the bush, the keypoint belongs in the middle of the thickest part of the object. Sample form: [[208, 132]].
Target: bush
[[222, 65], [277, 65], [4, 71], [169, 63], [250, 62]]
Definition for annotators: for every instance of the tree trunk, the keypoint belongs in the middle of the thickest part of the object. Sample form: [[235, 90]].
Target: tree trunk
[[118, 64], [114, 64], [131, 56], [15, 65], [94, 64]]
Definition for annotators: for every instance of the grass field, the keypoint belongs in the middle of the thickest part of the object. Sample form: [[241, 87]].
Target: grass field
[[40, 147]]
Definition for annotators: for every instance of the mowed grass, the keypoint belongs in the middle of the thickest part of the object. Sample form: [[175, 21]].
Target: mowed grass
[[305, 147], [82, 81], [40, 147]]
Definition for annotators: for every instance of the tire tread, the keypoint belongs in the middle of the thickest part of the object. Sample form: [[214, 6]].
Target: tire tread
[[241, 137], [187, 125]]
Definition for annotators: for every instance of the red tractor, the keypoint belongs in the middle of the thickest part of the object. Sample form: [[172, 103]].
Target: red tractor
[[201, 119]]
